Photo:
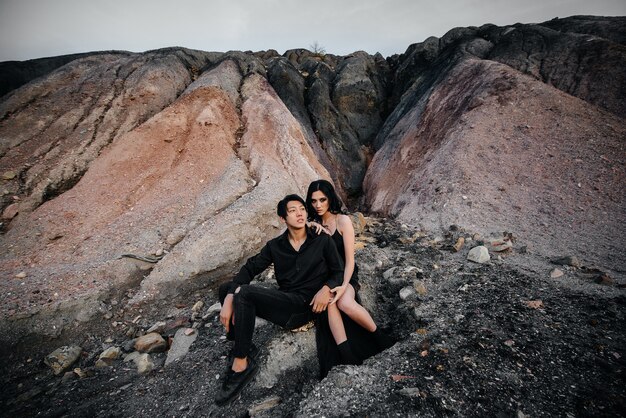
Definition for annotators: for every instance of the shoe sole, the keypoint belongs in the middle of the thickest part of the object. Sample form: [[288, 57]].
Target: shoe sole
[[236, 393]]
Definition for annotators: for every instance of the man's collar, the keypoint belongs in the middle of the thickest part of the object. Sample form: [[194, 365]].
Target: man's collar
[[310, 234]]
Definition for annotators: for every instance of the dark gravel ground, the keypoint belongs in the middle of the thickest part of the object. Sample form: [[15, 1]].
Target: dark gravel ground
[[470, 345]]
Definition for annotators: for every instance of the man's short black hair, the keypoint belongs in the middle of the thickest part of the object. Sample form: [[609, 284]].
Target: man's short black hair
[[281, 208]]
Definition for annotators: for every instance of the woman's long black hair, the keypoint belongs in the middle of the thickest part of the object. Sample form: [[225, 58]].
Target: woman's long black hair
[[334, 203]]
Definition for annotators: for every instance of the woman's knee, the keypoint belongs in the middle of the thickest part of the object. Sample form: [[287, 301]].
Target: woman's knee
[[346, 304]]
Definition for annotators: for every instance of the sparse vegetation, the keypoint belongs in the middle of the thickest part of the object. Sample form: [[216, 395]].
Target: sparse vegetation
[[317, 49]]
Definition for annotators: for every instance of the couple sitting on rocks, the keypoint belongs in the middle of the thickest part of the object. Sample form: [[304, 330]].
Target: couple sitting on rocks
[[317, 279]]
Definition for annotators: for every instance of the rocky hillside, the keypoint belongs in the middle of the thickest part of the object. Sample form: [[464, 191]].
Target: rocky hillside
[[134, 183]]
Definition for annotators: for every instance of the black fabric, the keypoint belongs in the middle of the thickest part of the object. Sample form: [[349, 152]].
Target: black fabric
[[341, 249], [347, 356], [362, 342], [303, 272], [234, 382], [288, 310]]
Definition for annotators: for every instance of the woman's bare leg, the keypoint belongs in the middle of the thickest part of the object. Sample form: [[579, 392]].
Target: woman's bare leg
[[336, 324], [356, 312]]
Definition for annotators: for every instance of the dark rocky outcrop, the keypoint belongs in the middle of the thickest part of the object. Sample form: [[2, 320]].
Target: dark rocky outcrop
[[342, 100], [610, 28], [14, 74], [583, 65]]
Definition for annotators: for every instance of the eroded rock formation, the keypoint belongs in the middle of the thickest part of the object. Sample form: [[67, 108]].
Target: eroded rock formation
[[182, 155]]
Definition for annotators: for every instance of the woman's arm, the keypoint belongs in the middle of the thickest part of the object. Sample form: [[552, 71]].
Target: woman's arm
[[344, 225], [345, 228]]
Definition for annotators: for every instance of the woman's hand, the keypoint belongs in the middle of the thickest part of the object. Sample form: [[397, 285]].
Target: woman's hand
[[338, 291], [318, 228]]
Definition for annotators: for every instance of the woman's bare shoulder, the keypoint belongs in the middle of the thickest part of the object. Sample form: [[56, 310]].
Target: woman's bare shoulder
[[343, 222]]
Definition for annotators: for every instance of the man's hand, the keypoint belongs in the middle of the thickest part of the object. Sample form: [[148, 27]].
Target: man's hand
[[338, 291], [321, 299], [227, 312], [318, 228]]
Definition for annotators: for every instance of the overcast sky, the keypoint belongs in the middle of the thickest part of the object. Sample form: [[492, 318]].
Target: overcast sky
[[42, 28]]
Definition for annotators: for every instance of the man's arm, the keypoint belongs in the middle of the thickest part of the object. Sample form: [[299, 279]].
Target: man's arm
[[254, 265], [321, 299]]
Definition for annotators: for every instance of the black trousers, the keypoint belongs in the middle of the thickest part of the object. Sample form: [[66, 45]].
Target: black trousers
[[288, 310]]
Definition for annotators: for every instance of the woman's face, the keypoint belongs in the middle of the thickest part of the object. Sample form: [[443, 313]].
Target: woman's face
[[319, 201]]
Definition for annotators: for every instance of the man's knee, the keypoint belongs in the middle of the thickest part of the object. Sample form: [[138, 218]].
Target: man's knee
[[242, 293]]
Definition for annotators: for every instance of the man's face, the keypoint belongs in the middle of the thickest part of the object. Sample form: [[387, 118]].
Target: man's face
[[296, 215]]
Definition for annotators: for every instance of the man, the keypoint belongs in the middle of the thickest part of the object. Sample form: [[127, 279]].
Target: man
[[306, 265]]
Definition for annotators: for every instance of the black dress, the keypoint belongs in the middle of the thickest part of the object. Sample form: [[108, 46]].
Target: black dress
[[361, 341]]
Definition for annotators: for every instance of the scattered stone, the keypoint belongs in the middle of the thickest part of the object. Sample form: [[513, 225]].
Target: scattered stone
[[129, 345], [111, 353], [479, 254], [387, 274], [197, 307], [568, 261], [501, 245], [605, 279], [20, 275], [556, 273], [509, 343], [144, 364], [142, 361], [180, 346], [399, 377], [410, 392], [171, 327], [10, 211], [63, 358], [213, 309], [534, 304], [151, 343], [67, 376], [407, 292], [459, 244], [420, 288], [158, 327], [264, 405], [80, 373]]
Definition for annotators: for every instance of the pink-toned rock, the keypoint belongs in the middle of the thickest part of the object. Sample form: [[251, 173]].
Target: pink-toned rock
[[151, 343], [10, 211]]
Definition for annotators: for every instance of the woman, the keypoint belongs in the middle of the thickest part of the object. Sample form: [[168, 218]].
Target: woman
[[346, 334]]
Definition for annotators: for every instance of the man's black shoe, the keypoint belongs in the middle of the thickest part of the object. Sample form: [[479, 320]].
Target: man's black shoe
[[234, 382], [252, 354]]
